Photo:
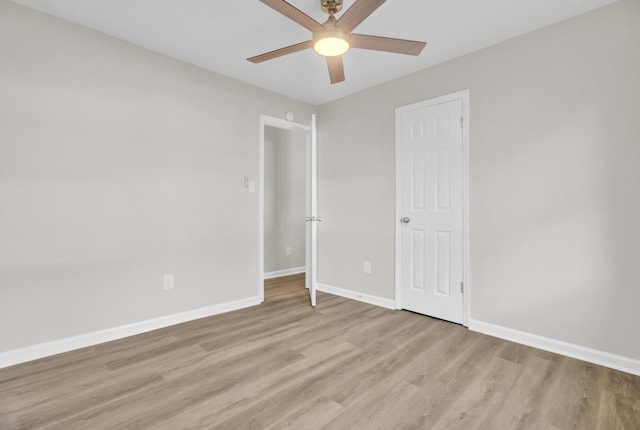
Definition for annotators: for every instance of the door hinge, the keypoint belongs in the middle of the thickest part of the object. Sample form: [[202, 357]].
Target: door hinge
[[462, 287], [461, 122]]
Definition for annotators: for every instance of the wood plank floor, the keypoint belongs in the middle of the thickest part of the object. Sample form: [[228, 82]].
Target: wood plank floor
[[343, 365]]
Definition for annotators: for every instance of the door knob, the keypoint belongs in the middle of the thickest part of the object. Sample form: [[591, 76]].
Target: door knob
[[405, 220], [308, 219], [319, 219]]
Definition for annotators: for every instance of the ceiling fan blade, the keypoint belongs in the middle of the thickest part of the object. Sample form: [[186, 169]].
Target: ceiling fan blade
[[336, 69], [294, 14], [280, 52], [357, 13], [387, 44]]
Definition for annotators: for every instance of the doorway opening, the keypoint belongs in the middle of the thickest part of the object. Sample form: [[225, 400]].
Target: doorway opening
[[287, 201], [284, 202]]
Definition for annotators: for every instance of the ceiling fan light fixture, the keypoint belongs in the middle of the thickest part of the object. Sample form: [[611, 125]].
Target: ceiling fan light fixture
[[333, 38], [331, 43]]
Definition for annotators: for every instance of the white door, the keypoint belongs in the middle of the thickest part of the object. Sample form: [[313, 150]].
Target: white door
[[311, 253], [431, 209], [312, 215]]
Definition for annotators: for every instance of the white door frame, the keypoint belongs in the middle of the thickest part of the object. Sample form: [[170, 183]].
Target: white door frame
[[460, 95], [268, 121]]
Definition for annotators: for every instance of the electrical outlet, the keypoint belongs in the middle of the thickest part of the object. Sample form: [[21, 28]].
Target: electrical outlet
[[367, 267], [168, 281], [287, 250]]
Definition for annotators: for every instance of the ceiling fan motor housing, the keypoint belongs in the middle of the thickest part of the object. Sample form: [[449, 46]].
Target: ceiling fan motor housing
[[331, 6]]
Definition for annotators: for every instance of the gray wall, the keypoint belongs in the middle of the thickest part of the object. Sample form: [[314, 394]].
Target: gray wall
[[284, 199], [118, 165], [554, 179]]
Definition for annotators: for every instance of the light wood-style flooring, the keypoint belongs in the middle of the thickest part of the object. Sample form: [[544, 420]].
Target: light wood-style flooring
[[343, 365]]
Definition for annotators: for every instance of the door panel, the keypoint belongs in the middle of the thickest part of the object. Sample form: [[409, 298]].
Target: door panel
[[312, 223], [417, 260], [431, 243]]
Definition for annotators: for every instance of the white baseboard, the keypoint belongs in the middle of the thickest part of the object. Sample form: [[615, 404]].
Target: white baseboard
[[355, 295], [595, 356], [285, 272], [46, 349]]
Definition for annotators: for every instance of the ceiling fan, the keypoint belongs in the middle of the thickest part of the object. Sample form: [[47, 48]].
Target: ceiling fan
[[334, 38]]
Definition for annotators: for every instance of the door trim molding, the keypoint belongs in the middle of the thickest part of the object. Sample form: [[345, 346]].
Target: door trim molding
[[463, 95], [269, 121]]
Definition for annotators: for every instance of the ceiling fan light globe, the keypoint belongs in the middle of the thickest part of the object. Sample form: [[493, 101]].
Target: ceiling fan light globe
[[332, 41], [331, 46]]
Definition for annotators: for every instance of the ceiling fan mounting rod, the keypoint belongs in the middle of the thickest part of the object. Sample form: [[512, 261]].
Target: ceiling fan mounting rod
[[331, 6]]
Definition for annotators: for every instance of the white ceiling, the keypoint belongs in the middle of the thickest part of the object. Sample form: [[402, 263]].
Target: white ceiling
[[220, 35]]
